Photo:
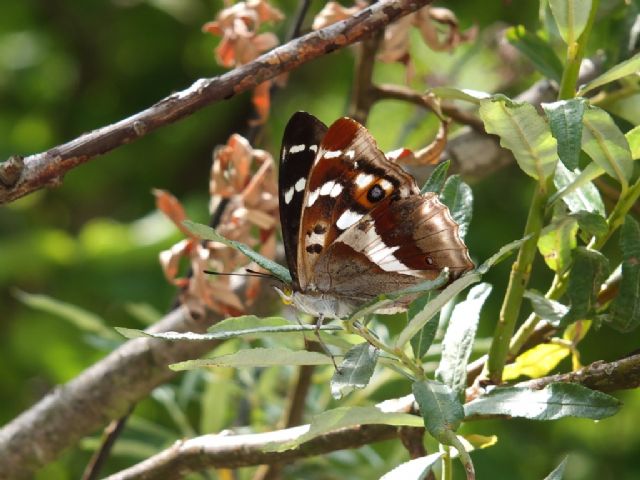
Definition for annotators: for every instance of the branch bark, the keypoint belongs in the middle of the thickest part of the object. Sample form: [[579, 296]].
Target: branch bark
[[21, 176]]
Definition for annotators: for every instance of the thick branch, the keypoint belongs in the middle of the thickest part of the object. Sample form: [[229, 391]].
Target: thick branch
[[18, 178]]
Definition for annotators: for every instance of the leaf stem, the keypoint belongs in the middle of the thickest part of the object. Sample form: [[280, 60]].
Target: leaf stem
[[518, 281], [574, 58], [447, 464], [616, 218]]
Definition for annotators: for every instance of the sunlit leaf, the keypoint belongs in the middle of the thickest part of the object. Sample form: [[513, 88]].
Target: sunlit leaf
[[623, 69], [537, 50], [556, 242], [440, 408], [576, 190], [257, 357], [546, 309], [355, 370], [556, 400], [565, 121], [571, 17], [603, 141], [436, 180], [423, 340], [450, 93], [558, 472], [625, 309], [247, 322], [459, 337], [458, 197], [590, 270], [536, 362], [523, 131], [633, 137], [416, 469]]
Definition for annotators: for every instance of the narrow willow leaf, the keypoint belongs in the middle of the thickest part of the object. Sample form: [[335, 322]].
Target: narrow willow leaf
[[603, 141], [459, 337], [590, 270], [556, 242], [458, 197], [79, 317], [537, 50], [592, 223], [343, 417], [355, 371], [207, 233], [536, 362], [524, 132], [624, 69], [257, 357], [422, 341], [449, 93], [571, 17], [558, 472], [416, 469], [576, 190], [633, 137], [436, 180], [556, 400], [247, 322], [546, 309], [440, 408], [565, 121], [625, 310], [505, 252]]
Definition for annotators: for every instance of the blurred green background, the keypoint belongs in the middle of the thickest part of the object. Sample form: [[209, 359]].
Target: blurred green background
[[93, 243]]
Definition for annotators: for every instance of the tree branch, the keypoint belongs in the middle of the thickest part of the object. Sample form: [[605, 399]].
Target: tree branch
[[18, 176]]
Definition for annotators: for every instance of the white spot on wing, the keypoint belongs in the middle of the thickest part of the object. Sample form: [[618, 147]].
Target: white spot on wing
[[336, 190], [300, 184], [395, 154], [350, 154], [347, 219], [332, 153], [382, 254], [288, 196], [326, 188], [313, 196], [363, 179], [297, 149], [313, 148], [385, 184]]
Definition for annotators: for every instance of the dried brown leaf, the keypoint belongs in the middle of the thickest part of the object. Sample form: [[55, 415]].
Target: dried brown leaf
[[334, 12]]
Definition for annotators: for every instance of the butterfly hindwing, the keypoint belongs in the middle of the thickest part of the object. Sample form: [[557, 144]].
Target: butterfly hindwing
[[300, 143]]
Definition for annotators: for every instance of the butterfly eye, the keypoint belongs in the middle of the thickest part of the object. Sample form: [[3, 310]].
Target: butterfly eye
[[375, 193]]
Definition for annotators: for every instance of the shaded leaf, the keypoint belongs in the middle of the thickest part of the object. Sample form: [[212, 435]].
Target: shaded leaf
[[603, 141], [207, 233], [257, 357], [592, 223], [576, 190], [524, 132], [505, 252], [590, 270], [565, 121], [422, 341], [537, 361], [571, 17], [558, 472], [436, 180], [355, 370], [537, 50], [623, 69], [440, 408], [458, 196], [556, 400], [416, 469], [625, 309], [546, 309], [556, 242], [458, 340]]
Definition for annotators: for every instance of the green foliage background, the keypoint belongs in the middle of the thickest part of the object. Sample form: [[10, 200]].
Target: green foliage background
[[69, 67]]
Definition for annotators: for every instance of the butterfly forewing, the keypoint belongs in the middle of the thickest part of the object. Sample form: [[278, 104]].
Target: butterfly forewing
[[300, 143]]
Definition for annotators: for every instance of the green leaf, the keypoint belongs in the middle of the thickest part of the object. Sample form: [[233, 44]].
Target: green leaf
[[524, 132], [459, 337], [558, 472], [624, 69], [79, 317], [556, 400], [458, 196], [590, 270], [576, 190], [468, 95], [224, 335], [343, 417], [257, 357], [247, 322], [355, 371], [207, 233], [565, 121], [417, 469], [537, 361], [436, 180], [537, 50], [592, 223], [556, 242], [546, 309], [633, 138], [422, 341], [505, 252], [571, 17], [603, 141], [625, 309], [439, 407]]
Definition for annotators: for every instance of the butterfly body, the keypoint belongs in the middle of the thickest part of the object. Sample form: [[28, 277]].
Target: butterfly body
[[354, 222]]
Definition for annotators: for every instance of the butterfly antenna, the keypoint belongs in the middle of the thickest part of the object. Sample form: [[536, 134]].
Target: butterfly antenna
[[249, 273]]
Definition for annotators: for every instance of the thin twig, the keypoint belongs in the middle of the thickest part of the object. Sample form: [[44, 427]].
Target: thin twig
[[48, 168], [362, 99], [111, 434]]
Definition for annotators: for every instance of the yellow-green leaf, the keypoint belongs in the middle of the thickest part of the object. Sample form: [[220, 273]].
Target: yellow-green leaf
[[536, 362]]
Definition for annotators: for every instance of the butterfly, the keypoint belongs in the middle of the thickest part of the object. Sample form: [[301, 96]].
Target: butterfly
[[354, 223]]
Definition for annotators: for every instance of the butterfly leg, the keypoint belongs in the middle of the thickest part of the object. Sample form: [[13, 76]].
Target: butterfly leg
[[319, 323]]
